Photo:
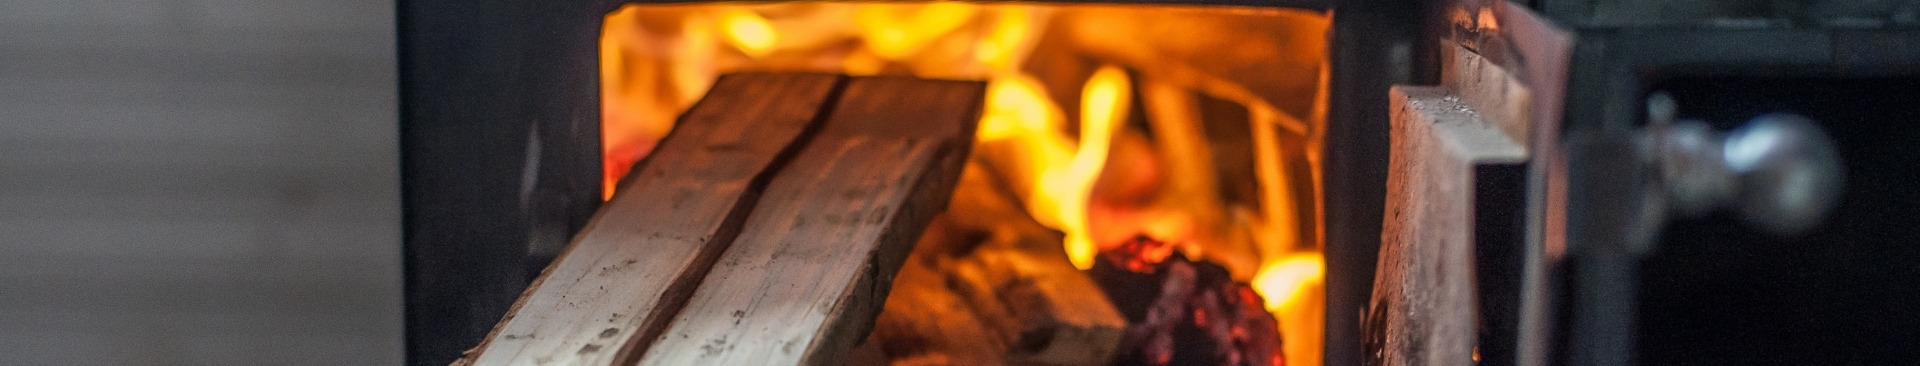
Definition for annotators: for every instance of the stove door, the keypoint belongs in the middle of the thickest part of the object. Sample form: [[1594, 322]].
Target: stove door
[[1472, 192]]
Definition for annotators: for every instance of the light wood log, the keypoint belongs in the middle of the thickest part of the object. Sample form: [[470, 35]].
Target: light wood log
[[811, 270], [1423, 310], [627, 272]]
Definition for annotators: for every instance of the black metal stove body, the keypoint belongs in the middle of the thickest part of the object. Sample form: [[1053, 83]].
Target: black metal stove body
[[501, 158], [501, 150], [1648, 282]]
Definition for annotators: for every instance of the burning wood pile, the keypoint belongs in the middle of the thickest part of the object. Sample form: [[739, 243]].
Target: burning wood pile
[[1144, 187], [989, 286]]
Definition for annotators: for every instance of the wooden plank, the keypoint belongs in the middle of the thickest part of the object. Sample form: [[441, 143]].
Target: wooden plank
[[629, 270], [812, 268], [1423, 310]]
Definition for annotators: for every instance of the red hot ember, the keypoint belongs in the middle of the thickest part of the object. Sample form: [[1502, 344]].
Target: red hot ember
[[1184, 312]]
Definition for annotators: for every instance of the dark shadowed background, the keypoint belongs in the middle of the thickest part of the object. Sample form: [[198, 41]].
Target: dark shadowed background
[[200, 182]]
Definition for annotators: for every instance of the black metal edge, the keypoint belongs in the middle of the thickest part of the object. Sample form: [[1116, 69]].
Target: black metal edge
[[1296, 4], [482, 82], [1642, 13], [500, 147], [1613, 67], [1375, 44], [1500, 219]]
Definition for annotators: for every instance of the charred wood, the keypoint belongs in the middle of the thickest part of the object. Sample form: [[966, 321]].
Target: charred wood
[[1184, 312]]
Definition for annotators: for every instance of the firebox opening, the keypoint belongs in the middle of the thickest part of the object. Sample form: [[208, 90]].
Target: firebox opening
[[1144, 132]]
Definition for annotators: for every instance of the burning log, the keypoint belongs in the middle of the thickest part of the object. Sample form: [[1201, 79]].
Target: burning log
[[925, 322], [997, 305], [1053, 314], [988, 285], [1184, 312]]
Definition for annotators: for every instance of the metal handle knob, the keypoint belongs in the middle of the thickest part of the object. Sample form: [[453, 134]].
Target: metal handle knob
[[1779, 171], [1788, 170]]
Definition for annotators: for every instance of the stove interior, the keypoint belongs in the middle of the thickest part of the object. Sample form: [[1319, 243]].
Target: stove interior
[[1145, 186]]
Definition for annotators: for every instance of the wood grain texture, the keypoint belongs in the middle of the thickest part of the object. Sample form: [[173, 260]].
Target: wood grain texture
[[1423, 296], [1498, 96], [627, 273], [811, 270]]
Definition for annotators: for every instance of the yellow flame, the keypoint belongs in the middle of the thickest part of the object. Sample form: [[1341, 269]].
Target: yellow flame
[[997, 49], [896, 31], [1106, 99], [1018, 111], [657, 64], [1281, 282], [1017, 108], [749, 32]]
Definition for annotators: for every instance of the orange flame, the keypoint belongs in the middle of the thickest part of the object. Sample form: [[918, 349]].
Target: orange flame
[[659, 59], [1064, 190], [1281, 280], [748, 32]]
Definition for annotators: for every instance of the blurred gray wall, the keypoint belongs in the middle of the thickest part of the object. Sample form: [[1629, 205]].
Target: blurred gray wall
[[200, 182]]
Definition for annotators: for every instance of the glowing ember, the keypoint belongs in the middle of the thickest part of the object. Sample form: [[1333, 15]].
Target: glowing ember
[[1184, 312], [1062, 86]]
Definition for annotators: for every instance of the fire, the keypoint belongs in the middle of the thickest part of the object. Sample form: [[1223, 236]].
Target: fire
[[899, 31], [1039, 61], [1293, 289], [1281, 280], [1064, 191], [748, 32]]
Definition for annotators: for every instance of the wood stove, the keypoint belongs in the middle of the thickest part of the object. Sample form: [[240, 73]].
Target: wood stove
[[1532, 245]]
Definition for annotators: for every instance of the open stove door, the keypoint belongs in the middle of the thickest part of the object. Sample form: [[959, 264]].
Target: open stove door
[[1474, 217]]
